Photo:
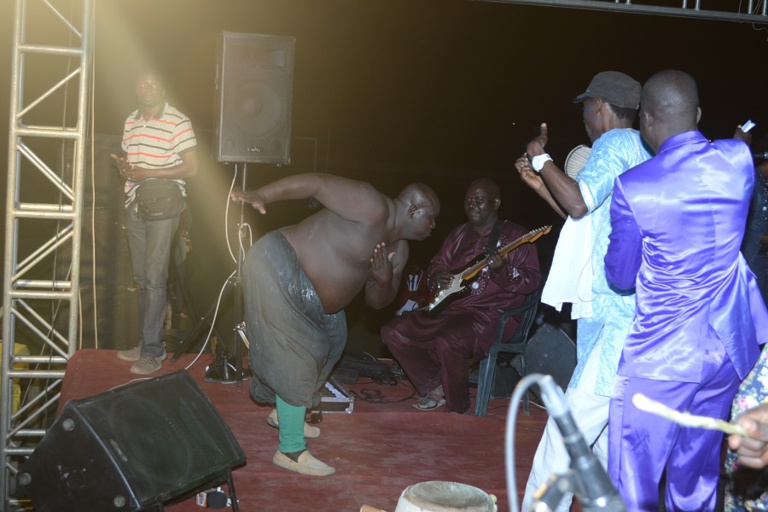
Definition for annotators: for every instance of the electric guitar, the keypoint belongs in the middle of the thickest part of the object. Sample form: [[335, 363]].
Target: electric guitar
[[460, 280]]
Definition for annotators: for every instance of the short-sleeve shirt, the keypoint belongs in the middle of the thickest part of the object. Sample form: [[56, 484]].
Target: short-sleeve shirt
[[156, 143]]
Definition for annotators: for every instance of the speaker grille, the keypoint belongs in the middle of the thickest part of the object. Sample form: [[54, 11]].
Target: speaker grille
[[550, 351], [253, 104], [131, 447]]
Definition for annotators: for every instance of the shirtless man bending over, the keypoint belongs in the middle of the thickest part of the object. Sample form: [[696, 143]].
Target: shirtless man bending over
[[298, 279]]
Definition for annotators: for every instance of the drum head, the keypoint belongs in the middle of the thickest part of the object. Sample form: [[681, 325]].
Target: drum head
[[576, 160], [444, 497]]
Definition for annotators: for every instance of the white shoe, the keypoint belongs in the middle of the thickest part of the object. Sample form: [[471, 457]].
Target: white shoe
[[306, 465]]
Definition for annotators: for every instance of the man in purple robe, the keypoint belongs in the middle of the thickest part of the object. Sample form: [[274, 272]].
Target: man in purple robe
[[677, 225], [435, 349]]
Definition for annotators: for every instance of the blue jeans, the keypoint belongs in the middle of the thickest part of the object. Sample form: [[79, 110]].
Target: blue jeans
[[150, 243]]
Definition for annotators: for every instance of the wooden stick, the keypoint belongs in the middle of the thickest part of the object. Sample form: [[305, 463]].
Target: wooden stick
[[685, 419]]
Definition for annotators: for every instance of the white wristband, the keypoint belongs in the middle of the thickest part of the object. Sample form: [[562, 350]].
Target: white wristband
[[538, 161]]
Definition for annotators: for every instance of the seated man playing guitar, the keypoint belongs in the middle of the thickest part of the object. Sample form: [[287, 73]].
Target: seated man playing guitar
[[435, 345]]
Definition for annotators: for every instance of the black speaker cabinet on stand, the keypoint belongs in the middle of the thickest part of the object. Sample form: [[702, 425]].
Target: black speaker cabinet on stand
[[254, 82], [550, 351], [131, 449]]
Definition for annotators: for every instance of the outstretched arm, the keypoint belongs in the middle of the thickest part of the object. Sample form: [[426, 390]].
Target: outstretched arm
[[350, 199]]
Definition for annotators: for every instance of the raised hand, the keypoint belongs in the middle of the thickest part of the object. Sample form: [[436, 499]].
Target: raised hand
[[536, 146], [381, 263], [742, 135], [527, 174], [252, 197]]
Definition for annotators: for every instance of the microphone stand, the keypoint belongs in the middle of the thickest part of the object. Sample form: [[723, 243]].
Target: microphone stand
[[237, 332], [221, 369], [588, 478]]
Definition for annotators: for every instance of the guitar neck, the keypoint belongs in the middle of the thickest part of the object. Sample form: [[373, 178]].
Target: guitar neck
[[531, 237]]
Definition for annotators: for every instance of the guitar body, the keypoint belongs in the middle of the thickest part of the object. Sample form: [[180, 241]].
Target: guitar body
[[459, 287], [460, 281]]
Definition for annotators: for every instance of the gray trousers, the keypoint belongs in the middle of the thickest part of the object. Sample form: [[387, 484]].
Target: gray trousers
[[150, 244], [293, 343]]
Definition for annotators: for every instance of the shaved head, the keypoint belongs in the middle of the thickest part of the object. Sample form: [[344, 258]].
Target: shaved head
[[671, 96], [420, 195], [669, 105], [418, 207]]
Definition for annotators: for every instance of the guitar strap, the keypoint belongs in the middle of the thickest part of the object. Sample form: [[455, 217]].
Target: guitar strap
[[493, 239]]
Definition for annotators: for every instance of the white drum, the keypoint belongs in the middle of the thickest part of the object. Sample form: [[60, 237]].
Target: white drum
[[444, 497], [576, 160]]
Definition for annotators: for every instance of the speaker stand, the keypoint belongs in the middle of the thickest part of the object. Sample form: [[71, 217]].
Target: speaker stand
[[214, 483], [232, 495], [222, 369]]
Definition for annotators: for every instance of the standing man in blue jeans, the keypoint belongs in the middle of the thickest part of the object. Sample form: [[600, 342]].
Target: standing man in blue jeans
[[159, 145]]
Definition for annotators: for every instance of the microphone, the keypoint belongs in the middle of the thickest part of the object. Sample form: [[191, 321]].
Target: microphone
[[590, 481]]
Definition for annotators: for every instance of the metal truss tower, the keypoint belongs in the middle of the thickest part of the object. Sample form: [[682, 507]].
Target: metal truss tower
[[748, 11], [50, 103]]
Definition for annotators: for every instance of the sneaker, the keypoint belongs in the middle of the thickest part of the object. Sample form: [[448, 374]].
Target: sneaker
[[132, 354], [147, 365]]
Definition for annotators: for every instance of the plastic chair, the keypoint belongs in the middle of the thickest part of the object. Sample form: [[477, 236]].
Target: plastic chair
[[515, 345]]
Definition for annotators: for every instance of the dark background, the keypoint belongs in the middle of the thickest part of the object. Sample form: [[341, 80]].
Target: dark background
[[396, 91]]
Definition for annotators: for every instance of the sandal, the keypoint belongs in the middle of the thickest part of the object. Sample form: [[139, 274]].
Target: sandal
[[429, 402]]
